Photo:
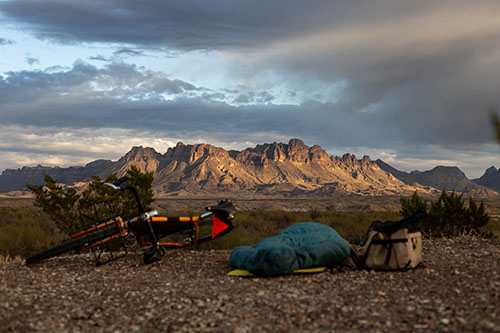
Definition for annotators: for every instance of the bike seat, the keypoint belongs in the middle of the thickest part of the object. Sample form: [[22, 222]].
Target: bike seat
[[224, 210]]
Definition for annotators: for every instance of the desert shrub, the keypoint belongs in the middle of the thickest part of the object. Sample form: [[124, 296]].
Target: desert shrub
[[58, 202], [448, 216], [64, 204], [315, 214], [110, 202], [412, 205], [24, 231]]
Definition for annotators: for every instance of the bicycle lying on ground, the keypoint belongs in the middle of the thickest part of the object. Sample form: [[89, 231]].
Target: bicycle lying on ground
[[116, 236]]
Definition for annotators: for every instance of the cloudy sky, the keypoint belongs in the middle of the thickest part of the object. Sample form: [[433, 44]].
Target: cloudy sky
[[410, 82]]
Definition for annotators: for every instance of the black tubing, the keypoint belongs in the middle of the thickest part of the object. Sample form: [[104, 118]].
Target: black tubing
[[72, 244]]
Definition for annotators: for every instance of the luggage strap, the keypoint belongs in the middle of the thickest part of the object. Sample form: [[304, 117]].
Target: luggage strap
[[389, 243]]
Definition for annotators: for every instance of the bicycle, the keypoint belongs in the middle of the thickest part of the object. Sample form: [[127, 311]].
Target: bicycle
[[113, 234]]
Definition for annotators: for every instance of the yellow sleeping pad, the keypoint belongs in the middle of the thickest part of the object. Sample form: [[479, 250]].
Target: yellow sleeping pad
[[244, 272]]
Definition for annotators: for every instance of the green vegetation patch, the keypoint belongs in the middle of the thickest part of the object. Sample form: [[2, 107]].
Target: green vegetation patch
[[24, 231], [449, 215]]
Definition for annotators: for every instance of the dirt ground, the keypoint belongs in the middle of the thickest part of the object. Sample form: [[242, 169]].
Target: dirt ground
[[456, 290]]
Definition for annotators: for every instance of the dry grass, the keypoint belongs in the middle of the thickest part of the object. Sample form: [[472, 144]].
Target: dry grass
[[25, 230], [8, 259]]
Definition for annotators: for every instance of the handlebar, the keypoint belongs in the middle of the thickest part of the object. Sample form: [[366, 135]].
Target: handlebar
[[121, 180], [113, 186], [121, 184]]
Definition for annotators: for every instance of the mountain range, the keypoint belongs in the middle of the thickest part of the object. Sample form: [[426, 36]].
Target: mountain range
[[275, 169]]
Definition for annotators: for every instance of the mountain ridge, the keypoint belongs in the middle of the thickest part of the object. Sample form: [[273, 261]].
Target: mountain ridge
[[490, 179], [271, 169], [441, 177]]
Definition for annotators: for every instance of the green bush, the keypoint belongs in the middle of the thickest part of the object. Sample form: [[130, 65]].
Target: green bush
[[412, 205], [64, 205], [58, 202], [447, 216]]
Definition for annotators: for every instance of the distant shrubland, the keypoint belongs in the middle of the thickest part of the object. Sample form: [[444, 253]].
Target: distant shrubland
[[27, 230]]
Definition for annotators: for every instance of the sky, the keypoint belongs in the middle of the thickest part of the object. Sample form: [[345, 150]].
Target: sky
[[410, 82]]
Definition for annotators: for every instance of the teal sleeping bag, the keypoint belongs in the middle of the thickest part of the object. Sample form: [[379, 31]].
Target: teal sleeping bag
[[303, 245]]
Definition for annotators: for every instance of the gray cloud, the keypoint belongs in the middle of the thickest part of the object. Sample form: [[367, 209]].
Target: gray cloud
[[251, 97], [184, 25], [127, 96], [121, 95], [5, 41], [32, 61], [244, 98], [128, 52], [426, 75], [100, 57], [413, 73]]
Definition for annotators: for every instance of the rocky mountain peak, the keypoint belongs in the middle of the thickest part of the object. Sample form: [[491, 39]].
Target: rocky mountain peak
[[262, 154], [445, 177], [140, 153], [297, 151], [297, 145], [489, 172], [440, 169], [191, 153], [316, 154], [98, 163], [146, 159], [366, 161], [490, 178], [350, 160]]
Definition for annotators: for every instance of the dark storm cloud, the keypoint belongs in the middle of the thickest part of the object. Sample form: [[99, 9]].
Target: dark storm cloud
[[429, 76], [188, 24], [427, 69], [414, 72]]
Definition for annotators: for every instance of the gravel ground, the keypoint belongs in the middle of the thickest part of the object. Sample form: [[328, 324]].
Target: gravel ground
[[456, 290]]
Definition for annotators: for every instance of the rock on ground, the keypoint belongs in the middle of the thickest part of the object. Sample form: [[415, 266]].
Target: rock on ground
[[456, 290]]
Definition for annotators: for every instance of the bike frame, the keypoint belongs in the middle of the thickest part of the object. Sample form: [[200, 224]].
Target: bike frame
[[113, 234], [148, 228]]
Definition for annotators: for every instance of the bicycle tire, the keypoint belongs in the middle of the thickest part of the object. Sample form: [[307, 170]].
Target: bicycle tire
[[72, 244]]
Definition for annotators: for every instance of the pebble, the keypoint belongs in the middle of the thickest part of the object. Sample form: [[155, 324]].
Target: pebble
[[188, 291]]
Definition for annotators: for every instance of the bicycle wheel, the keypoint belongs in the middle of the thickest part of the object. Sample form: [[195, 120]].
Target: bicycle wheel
[[73, 244]]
